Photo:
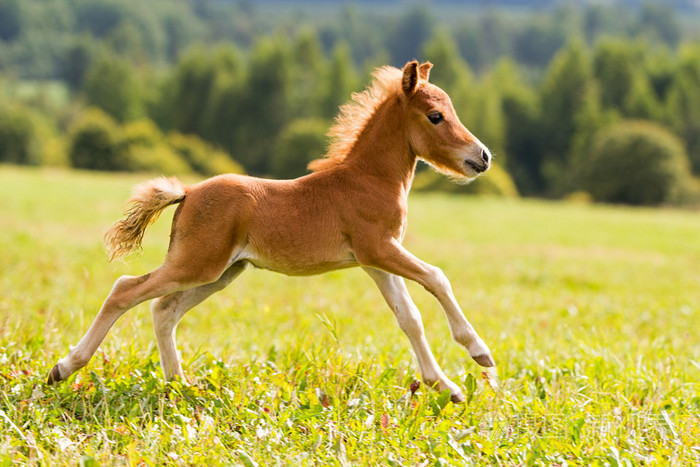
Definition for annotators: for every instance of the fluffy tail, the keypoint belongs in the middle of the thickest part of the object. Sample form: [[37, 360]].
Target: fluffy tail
[[146, 204]]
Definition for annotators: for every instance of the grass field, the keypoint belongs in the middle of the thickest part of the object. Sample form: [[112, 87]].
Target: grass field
[[591, 313]]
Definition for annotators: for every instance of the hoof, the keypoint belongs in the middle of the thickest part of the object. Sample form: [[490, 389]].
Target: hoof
[[457, 398], [54, 375], [485, 360]]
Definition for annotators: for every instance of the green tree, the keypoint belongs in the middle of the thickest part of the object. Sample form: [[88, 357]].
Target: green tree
[[600, 19], [160, 160], [265, 105], [226, 114], [413, 28], [538, 41], [683, 103], [193, 86], [95, 143], [568, 87], [652, 161], [200, 78], [641, 102], [616, 66], [18, 141], [180, 28], [127, 41], [202, 157], [145, 151], [142, 132], [660, 67], [658, 21], [111, 85], [340, 81], [521, 119], [486, 40], [307, 72], [298, 144], [357, 27], [10, 20], [451, 72], [100, 17], [79, 58], [151, 34], [590, 119]]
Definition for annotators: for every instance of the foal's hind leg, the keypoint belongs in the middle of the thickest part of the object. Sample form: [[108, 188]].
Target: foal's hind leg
[[168, 310], [127, 292]]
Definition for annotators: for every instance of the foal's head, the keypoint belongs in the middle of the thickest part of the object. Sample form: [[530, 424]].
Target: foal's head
[[435, 133]]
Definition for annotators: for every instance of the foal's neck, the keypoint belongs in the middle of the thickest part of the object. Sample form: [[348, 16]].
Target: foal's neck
[[383, 150]]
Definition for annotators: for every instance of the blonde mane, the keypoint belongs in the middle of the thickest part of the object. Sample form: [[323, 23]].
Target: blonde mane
[[355, 115]]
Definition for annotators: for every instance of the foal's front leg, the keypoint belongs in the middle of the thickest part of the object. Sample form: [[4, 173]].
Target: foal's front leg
[[394, 290], [390, 256]]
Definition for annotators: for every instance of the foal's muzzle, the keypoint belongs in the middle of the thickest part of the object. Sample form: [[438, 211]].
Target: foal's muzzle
[[481, 165]]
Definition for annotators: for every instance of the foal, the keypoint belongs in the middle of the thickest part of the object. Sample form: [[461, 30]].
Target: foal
[[351, 211]]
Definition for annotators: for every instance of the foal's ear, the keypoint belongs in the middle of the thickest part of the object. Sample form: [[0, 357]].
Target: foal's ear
[[424, 71], [409, 82]]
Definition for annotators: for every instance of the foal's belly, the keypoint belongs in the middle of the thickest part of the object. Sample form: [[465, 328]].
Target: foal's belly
[[294, 264], [301, 269], [298, 255]]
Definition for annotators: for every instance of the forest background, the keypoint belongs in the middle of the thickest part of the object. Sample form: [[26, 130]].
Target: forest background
[[589, 309], [586, 100]]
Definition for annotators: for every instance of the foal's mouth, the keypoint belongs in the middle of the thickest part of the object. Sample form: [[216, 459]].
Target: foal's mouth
[[476, 167]]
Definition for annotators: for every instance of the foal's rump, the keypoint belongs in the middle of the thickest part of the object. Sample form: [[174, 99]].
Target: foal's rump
[[209, 228]]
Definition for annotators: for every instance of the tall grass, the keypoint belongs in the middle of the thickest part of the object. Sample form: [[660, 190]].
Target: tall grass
[[591, 313]]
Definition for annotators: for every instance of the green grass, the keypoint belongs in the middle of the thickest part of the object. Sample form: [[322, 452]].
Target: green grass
[[591, 313]]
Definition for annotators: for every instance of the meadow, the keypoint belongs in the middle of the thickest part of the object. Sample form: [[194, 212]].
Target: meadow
[[591, 312]]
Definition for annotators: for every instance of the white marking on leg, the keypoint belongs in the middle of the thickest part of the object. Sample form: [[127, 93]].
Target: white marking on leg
[[391, 256], [394, 290], [168, 311], [462, 330], [127, 292]]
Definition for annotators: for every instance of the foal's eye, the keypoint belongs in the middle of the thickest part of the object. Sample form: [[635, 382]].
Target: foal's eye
[[435, 117]]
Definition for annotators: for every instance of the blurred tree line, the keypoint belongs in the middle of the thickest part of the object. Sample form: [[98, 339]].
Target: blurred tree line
[[192, 86]]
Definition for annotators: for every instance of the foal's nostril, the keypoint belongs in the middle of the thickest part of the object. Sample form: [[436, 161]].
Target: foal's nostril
[[485, 155]]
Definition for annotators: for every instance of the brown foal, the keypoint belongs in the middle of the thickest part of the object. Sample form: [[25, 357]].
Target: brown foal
[[351, 211]]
